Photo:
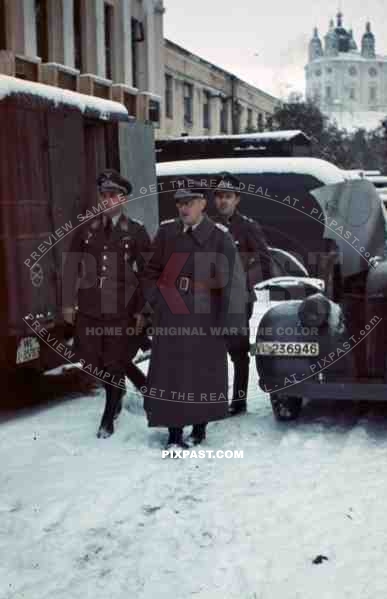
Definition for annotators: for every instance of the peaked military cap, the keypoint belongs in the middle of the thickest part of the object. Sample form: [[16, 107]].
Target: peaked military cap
[[226, 181], [111, 180], [192, 190]]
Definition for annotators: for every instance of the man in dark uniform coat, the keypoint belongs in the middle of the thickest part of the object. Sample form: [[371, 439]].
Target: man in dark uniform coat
[[195, 284], [102, 271], [251, 243]]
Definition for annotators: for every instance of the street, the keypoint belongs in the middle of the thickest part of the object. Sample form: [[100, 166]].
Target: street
[[82, 517]]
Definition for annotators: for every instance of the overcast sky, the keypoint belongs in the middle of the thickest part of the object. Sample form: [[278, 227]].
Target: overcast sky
[[266, 44]]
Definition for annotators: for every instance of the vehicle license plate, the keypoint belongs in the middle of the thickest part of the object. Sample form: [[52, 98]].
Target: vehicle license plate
[[274, 348], [28, 349]]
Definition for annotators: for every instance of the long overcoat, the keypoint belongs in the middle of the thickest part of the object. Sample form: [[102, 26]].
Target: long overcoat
[[195, 283]]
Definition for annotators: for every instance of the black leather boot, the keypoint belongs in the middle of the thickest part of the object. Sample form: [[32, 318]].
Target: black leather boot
[[237, 406], [175, 438], [198, 433], [241, 380], [118, 408], [112, 405]]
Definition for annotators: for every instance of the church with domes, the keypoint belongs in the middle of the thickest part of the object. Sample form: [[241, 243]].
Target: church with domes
[[349, 83]]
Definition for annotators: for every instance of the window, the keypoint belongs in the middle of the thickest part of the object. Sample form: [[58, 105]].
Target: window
[[352, 94], [169, 96], [373, 94], [249, 118], [137, 37], [154, 111], [78, 35], [3, 26], [188, 103], [328, 93], [316, 94], [206, 110], [223, 116], [41, 21], [108, 28], [260, 122]]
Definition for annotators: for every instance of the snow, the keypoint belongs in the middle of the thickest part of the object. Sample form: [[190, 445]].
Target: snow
[[87, 518], [324, 171], [132, 90], [351, 121], [62, 67], [13, 85], [350, 57], [152, 96], [264, 136]]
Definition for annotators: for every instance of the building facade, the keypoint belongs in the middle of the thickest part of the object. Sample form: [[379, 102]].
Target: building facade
[[202, 99], [107, 48], [349, 84]]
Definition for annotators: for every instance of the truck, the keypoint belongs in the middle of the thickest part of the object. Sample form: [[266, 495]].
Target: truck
[[53, 144]]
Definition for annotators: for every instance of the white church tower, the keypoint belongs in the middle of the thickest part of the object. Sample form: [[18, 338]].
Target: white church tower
[[349, 85]]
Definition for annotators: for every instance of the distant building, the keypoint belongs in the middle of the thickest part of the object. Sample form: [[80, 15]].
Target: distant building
[[350, 85], [107, 48], [203, 99]]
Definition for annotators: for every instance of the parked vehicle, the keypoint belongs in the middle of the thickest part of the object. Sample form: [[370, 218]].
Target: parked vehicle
[[268, 143], [334, 226], [53, 144]]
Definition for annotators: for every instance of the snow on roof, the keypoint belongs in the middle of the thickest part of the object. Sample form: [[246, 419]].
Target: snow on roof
[[265, 135], [352, 121], [57, 95], [377, 179], [354, 56], [325, 171]]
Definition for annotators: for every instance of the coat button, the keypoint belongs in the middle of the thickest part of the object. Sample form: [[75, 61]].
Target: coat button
[[105, 247], [86, 241], [104, 267], [105, 257], [126, 246]]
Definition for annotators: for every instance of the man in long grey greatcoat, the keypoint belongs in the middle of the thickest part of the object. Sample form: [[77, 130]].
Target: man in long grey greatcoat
[[195, 284]]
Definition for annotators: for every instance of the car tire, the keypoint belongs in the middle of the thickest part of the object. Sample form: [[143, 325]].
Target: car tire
[[285, 408]]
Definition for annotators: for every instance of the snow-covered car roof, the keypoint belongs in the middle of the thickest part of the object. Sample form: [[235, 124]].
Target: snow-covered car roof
[[326, 172], [104, 109]]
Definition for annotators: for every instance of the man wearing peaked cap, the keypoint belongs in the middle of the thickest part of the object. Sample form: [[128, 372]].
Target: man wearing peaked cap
[[185, 195], [228, 182], [101, 275], [251, 242], [111, 181], [194, 282]]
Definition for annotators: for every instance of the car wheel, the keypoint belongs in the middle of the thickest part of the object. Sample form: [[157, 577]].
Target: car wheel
[[285, 408]]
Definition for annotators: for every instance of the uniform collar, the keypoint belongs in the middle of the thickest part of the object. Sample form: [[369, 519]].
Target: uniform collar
[[116, 218], [193, 227], [112, 221], [203, 230], [235, 217]]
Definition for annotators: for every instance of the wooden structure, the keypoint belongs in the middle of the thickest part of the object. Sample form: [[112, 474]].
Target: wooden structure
[[52, 146]]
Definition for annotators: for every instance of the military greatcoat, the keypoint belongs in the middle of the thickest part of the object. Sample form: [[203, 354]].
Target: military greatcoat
[[196, 285]]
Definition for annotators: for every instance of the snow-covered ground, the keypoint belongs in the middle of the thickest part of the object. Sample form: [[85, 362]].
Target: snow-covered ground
[[86, 518]]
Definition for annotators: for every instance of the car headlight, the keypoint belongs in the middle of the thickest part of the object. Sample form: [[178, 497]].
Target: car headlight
[[315, 310]]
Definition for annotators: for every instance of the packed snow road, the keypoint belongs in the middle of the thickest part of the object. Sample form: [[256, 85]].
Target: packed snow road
[[87, 518]]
